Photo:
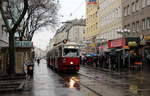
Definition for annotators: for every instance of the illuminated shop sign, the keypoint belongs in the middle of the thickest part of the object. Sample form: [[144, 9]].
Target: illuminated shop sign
[[116, 43]]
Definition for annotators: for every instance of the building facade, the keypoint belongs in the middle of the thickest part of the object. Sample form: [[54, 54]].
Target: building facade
[[110, 20], [3, 41], [136, 17], [73, 31], [91, 20]]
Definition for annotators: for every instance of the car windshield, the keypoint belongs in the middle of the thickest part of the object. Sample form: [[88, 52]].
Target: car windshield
[[71, 52]]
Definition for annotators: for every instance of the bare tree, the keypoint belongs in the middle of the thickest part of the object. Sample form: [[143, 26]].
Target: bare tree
[[12, 19], [41, 13]]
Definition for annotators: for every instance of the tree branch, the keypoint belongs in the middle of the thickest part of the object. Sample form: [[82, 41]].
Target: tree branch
[[22, 15]]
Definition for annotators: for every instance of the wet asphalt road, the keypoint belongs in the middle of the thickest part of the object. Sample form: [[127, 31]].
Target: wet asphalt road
[[87, 82]]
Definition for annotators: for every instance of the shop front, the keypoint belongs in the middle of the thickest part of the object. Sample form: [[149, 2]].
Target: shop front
[[122, 51], [146, 53]]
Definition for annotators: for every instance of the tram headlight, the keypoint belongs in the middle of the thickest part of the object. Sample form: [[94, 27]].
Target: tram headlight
[[71, 63]]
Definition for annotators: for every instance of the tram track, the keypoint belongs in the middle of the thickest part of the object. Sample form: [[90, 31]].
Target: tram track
[[93, 82], [87, 87], [102, 79], [91, 89]]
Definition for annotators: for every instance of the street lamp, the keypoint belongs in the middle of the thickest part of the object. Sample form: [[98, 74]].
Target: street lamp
[[123, 32], [101, 39]]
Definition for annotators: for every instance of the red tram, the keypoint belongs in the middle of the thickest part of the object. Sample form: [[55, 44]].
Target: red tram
[[64, 57]]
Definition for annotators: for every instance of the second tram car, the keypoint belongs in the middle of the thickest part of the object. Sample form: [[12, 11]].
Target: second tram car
[[64, 57]]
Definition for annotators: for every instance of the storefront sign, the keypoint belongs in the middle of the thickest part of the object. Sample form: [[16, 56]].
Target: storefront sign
[[92, 2], [116, 43], [92, 45], [147, 37], [23, 44]]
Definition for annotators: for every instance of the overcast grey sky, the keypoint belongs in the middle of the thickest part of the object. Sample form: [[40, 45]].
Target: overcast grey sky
[[70, 9]]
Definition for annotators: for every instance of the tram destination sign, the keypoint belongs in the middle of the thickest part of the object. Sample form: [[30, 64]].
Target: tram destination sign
[[23, 44]]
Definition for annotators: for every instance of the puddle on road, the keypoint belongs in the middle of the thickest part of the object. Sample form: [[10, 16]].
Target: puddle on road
[[70, 81]]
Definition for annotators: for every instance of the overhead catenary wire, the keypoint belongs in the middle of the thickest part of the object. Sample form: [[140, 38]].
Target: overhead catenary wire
[[71, 14], [77, 9]]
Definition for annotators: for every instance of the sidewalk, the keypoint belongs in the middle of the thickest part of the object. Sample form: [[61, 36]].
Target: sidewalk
[[14, 83], [135, 75], [136, 83]]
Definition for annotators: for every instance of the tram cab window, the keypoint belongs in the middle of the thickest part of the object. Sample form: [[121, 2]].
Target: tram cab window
[[71, 52]]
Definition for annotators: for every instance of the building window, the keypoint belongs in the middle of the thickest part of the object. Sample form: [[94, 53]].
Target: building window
[[143, 3], [128, 26], [133, 27], [148, 2], [137, 26], [148, 23], [143, 24], [137, 5], [125, 26], [128, 10], [125, 11], [133, 7]]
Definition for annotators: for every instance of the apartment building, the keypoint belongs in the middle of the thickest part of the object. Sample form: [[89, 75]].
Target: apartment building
[[136, 17], [110, 20], [73, 31], [92, 29], [91, 20]]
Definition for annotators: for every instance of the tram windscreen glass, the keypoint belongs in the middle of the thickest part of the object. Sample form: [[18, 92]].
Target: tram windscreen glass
[[71, 52]]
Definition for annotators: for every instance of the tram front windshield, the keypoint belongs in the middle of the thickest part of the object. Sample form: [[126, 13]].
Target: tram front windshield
[[71, 52]]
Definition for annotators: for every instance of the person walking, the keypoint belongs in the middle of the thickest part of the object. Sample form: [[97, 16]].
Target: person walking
[[38, 61]]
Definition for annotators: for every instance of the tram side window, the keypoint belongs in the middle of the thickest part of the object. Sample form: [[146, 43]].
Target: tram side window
[[71, 52]]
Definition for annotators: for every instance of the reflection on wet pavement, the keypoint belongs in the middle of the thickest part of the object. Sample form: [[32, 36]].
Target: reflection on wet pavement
[[88, 82], [133, 84], [49, 83]]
